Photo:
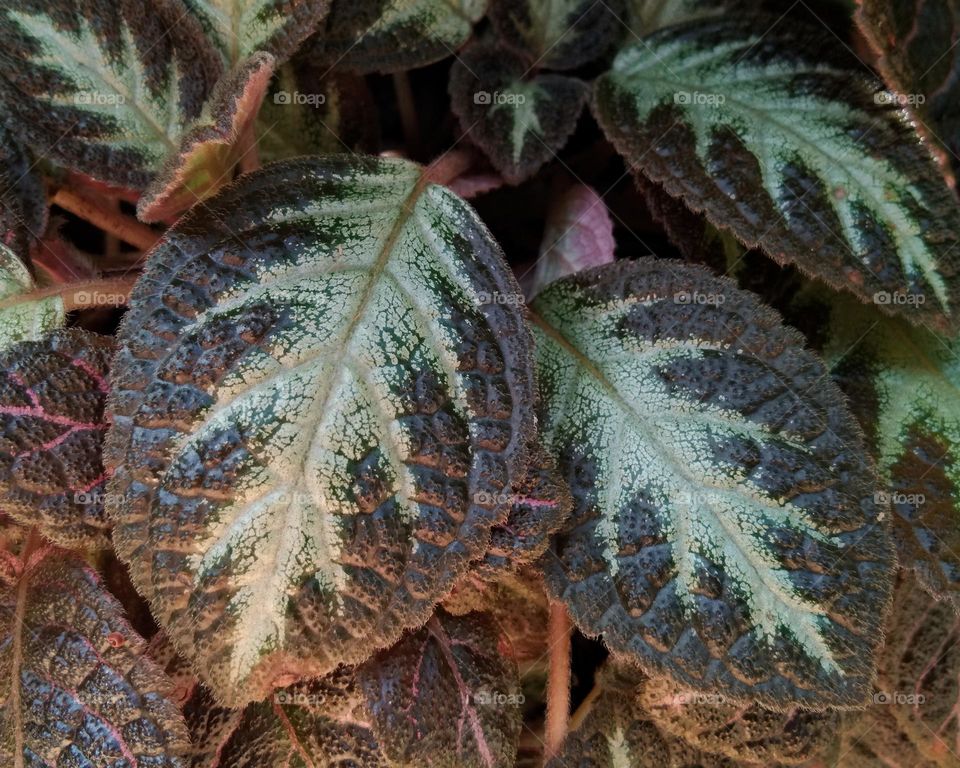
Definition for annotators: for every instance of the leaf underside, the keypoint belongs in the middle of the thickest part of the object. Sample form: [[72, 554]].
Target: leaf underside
[[904, 386], [319, 400], [79, 689], [792, 152], [444, 695], [104, 88], [519, 122], [394, 35], [52, 394], [724, 528]]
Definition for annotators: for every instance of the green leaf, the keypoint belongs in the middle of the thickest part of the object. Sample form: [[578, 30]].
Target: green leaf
[[104, 89], [519, 122], [240, 28], [559, 35], [78, 687], [790, 150], [322, 391], [23, 202], [52, 394], [212, 145], [751, 734], [446, 696], [394, 35], [724, 528], [904, 384], [915, 41], [24, 316]]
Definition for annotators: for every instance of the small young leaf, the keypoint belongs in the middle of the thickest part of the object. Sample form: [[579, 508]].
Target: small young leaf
[[724, 528], [559, 35], [394, 35], [752, 734], [648, 16], [444, 695], [322, 393], [52, 394], [918, 58], [519, 122], [78, 687], [904, 384], [920, 672], [771, 138], [210, 147], [23, 204], [104, 88], [578, 235], [23, 318], [240, 28]]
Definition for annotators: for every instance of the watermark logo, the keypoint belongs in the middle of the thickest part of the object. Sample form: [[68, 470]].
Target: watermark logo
[[98, 99], [498, 97], [496, 297], [499, 699], [899, 99], [899, 298], [697, 98], [99, 299], [299, 98], [695, 297], [898, 698], [910, 499]]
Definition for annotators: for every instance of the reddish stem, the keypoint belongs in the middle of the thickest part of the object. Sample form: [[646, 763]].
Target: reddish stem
[[99, 214], [558, 682]]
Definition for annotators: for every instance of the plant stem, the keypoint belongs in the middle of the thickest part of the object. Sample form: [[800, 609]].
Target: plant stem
[[99, 214], [585, 707], [559, 636], [85, 294], [448, 166]]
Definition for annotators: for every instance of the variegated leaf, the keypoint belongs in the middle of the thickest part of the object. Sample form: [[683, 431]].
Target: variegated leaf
[[918, 58], [23, 204], [904, 384], [559, 35], [240, 28], [724, 528], [211, 146], [578, 235], [24, 316], [748, 733], [520, 122], [789, 146], [52, 394], [919, 678], [394, 35], [78, 687], [105, 88], [322, 391], [446, 696], [310, 111]]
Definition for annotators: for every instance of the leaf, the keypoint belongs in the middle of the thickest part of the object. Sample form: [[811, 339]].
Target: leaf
[[790, 151], [239, 28], [323, 380], [724, 528], [538, 509], [647, 16], [520, 123], [394, 35], [874, 738], [559, 35], [578, 235], [920, 673], [918, 59], [52, 394], [445, 696], [107, 88], [211, 146], [79, 687], [23, 203], [904, 384], [308, 112], [24, 316], [751, 734]]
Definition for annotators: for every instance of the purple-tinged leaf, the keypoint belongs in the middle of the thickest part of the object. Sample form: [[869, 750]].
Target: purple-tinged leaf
[[23, 204], [520, 121], [52, 394], [444, 695], [211, 145], [578, 235], [78, 688]]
